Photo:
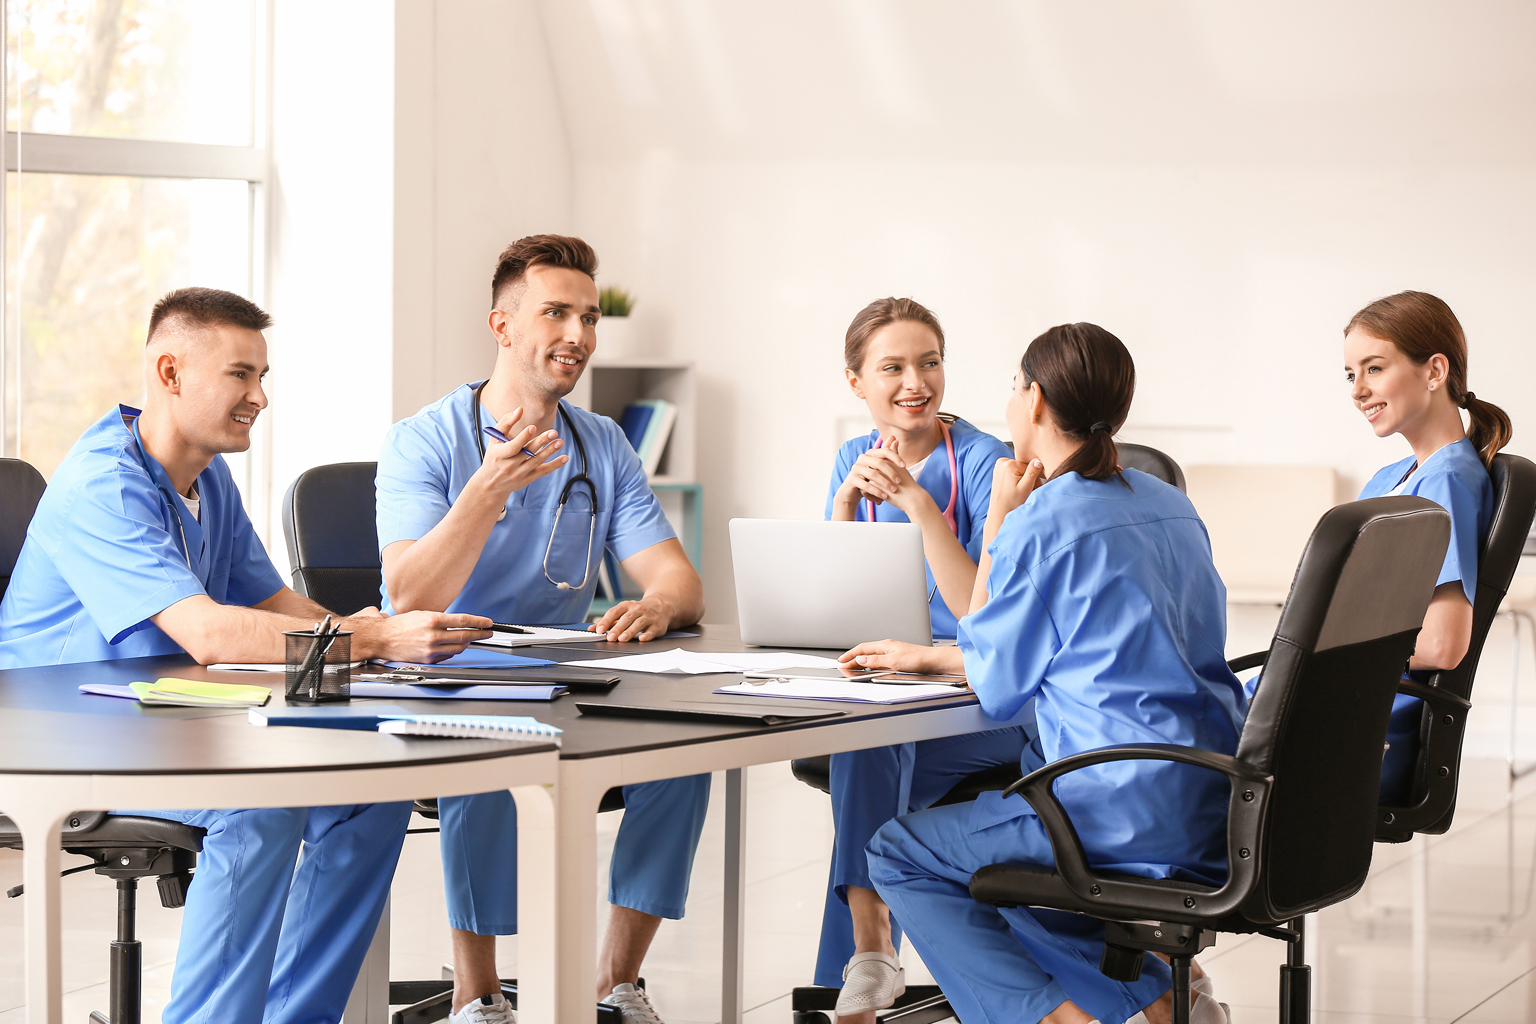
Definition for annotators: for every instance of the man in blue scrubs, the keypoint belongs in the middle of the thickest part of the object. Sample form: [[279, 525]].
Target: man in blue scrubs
[[516, 531], [140, 547]]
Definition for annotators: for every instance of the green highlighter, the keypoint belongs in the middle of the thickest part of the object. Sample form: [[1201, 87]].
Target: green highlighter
[[194, 693]]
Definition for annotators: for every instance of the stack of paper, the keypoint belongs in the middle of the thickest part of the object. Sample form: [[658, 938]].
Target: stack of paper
[[684, 662], [194, 693]]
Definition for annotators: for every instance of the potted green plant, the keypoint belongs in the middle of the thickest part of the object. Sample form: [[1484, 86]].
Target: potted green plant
[[615, 328]]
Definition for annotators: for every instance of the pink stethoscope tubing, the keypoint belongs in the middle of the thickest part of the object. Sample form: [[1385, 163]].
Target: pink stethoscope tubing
[[954, 481]]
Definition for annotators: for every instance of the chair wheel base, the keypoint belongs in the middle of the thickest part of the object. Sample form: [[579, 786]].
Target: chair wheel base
[[920, 1004]]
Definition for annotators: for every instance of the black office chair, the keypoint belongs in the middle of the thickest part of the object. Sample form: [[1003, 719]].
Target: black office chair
[[333, 551], [23, 489], [1448, 695], [810, 1004], [333, 541], [121, 847], [1301, 819]]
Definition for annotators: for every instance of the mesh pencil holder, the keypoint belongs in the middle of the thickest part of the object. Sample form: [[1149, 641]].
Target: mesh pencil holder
[[306, 679]]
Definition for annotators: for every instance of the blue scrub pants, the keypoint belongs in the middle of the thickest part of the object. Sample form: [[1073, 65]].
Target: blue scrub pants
[[996, 965], [1402, 750], [261, 941], [652, 857], [869, 788]]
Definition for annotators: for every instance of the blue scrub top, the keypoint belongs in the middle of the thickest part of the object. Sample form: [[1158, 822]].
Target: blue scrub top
[[1105, 608], [1455, 479], [104, 554], [428, 459], [976, 455]]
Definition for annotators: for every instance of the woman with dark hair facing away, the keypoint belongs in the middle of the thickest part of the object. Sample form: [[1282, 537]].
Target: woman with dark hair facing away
[[1405, 358], [922, 466], [1097, 599]]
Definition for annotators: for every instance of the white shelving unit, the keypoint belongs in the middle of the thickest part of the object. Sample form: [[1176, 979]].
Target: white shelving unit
[[610, 385]]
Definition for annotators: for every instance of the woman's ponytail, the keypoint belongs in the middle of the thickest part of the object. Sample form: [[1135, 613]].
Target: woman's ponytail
[[1490, 427], [1087, 379], [1422, 326]]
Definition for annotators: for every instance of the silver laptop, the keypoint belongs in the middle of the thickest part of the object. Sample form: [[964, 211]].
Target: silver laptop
[[810, 584]]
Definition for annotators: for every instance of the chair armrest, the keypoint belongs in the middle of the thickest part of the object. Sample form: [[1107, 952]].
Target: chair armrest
[[1071, 859], [1248, 661], [1441, 700]]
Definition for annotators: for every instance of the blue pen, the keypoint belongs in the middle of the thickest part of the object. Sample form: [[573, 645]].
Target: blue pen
[[504, 439]]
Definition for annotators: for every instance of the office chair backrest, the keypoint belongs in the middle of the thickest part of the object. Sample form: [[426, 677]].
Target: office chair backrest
[[21, 488], [1319, 719], [1514, 506], [1148, 460], [1437, 770], [333, 541], [1152, 462]]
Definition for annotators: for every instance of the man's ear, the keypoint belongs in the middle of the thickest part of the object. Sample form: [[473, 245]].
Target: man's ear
[[500, 323], [167, 373]]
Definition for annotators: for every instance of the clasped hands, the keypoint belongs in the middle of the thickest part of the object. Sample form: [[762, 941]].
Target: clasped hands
[[881, 475]]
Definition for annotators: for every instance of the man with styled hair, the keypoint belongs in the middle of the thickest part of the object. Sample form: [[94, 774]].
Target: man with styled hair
[[516, 531], [140, 547]]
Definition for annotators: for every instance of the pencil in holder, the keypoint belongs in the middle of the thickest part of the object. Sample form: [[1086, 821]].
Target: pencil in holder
[[318, 667]]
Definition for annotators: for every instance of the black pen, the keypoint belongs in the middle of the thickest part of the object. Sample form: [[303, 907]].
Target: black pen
[[503, 627]]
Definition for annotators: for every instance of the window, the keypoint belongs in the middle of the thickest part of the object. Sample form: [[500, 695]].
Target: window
[[136, 164]]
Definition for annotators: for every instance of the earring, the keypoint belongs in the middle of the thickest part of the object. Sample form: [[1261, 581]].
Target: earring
[[1431, 386]]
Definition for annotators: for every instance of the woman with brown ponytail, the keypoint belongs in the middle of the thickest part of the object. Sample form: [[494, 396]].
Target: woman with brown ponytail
[[1095, 599], [1405, 357]]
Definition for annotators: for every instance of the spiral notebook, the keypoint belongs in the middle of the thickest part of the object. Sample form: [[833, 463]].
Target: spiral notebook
[[471, 727]]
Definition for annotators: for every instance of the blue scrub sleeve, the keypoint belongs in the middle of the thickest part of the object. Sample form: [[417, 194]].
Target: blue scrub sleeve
[[1010, 642], [840, 467], [1447, 491], [976, 482], [637, 521], [252, 576], [112, 547], [411, 485]]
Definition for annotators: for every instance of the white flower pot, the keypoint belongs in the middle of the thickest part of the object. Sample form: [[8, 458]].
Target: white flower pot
[[617, 337]]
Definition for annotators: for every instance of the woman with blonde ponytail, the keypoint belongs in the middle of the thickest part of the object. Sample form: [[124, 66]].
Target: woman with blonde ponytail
[[1405, 357]]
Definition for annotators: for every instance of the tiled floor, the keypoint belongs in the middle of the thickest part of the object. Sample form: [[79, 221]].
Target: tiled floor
[[1445, 930]]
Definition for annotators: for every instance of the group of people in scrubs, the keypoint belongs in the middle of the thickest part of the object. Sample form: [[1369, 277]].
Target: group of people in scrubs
[[1073, 589]]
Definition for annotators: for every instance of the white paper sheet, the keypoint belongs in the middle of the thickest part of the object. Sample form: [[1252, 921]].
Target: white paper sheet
[[680, 662], [850, 690]]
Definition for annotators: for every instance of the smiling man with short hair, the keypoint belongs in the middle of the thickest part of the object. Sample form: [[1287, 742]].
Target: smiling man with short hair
[[140, 547], [516, 530]]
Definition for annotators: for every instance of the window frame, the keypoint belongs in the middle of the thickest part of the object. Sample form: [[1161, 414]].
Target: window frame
[[40, 153]]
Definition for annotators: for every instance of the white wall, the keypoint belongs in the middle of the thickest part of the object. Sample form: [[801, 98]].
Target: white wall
[[1220, 185], [328, 293]]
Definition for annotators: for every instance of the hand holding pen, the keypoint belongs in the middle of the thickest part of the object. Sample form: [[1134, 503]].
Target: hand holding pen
[[515, 460]]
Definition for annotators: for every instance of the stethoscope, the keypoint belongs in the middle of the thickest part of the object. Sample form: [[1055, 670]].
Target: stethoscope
[[954, 481], [165, 492], [565, 493]]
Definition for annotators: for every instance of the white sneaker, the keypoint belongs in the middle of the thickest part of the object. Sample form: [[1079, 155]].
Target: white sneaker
[[634, 1005], [1203, 1008], [492, 1009], [871, 981]]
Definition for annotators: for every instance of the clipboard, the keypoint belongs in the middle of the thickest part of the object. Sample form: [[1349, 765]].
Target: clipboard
[[735, 713]]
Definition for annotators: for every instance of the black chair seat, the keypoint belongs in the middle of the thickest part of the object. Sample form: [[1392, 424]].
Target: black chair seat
[[1030, 885], [116, 830], [613, 800], [816, 772]]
